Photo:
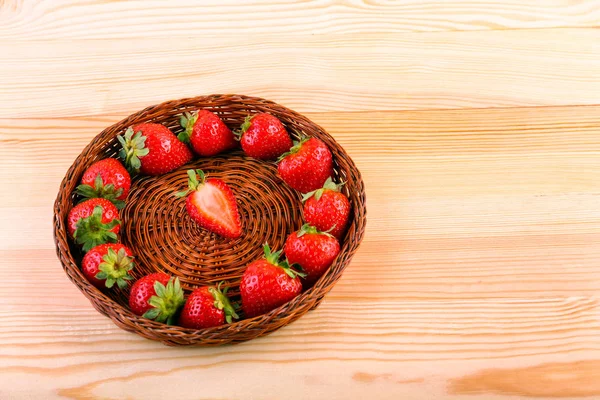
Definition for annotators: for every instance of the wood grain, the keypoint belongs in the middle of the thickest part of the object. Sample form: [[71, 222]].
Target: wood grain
[[476, 126], [384, 348], [545, 380], [496, 266], [39, 19], [353, 72]]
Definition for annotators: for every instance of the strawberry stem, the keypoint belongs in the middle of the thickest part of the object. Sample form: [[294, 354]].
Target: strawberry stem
[[243, 128], [168, 300], [309, 229], [193, 182], [99, 190], [187, 121], [296, 147], [133, 148], [91, 231], [273, 258], [115, 267], [222, 302], [328, 185]]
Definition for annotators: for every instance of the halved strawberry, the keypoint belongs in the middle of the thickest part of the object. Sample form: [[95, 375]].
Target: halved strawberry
[[211, 204]]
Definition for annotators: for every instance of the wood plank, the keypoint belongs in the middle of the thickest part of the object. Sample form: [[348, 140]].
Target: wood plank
[[527, 151], [526, 266], [475, 123], [377, 347], [72, 19], [332, 73], [480, 201]]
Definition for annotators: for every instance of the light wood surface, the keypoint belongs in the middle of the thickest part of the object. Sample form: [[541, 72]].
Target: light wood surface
[[475, 123]]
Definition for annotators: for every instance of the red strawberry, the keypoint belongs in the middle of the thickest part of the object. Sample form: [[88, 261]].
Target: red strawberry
[[206, 132], [106, 264], [313, 250], [307, 165], [327, 209], [268, 284], [212, 205], [156, 296], [207, 307], [94, 222], [153, 149], [263, 136], [107, 179]]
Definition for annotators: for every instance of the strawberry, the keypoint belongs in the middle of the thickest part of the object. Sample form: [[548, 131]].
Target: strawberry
[[207, 307], [153, 149], [107, 179], [206, 132], [307, 165], [313, 250], [211, 204], [327, 209], [263, 136], [94, 222], [156, 296], [268, 284], [108, 263]]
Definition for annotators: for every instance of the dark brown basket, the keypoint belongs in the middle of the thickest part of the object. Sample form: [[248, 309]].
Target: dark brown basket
[[164, 239]]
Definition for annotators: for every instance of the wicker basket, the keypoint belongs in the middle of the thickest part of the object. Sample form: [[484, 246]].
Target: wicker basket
[[157, 229]]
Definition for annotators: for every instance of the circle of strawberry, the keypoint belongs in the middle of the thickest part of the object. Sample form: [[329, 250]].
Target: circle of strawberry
[[268, 283], [93, 222], [263, 136], [327, 209], [156, 296], [152, 149], [206, 307], [211, 204], [106, 179], [107, 264], [313, 250], [207, 134], [307, 165]]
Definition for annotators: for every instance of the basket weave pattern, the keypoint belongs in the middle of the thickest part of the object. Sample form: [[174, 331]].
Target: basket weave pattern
[[164, 239]]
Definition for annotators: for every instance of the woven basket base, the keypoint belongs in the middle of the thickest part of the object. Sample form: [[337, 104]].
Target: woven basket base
[[165, 238]]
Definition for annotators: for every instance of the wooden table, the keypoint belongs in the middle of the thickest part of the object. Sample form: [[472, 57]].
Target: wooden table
[[475, 123]]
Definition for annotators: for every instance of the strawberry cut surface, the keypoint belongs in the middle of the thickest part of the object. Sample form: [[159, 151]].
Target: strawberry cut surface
[[211, 204]]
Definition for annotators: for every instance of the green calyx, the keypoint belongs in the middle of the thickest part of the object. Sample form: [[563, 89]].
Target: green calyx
[[295, 148], [168, 300], [133, 148], [115, 268], [273, 258], [187, 121], [328, 185], [196, 178], [91, 231], [307, 228], [222, 302], [243, 128], [99, 190]]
